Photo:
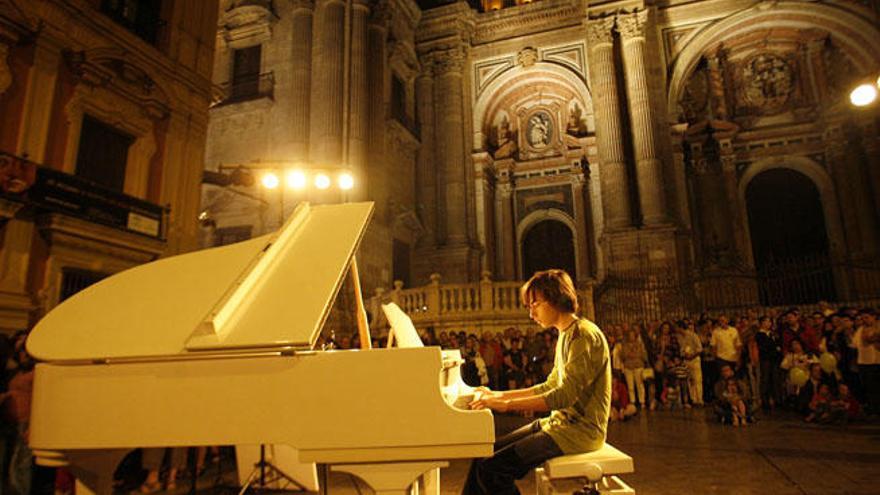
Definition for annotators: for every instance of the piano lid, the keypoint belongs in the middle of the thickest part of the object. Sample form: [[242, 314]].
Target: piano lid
[[271, 291]]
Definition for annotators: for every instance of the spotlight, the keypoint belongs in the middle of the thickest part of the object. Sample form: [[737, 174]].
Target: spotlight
[[346, 181], [322, 181], [270, 180], [296, 179], [863, 95]]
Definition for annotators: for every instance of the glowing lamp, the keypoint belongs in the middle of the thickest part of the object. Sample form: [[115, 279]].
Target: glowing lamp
[[322, 181], [270, 181], [296, 179], [863, 95], [346, 181]]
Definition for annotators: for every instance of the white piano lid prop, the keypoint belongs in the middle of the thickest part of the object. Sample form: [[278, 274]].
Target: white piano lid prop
[[272, 291]]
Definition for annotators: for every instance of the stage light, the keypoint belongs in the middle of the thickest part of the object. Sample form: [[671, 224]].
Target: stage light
[[270, 180], [346, 181], [863, 95], [296, 179], [322, 181]]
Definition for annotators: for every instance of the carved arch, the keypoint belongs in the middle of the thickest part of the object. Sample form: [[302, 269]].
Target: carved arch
[[857, 36], [538, 216]]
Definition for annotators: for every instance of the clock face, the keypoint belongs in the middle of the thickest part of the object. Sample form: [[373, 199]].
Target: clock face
[[539, 130]]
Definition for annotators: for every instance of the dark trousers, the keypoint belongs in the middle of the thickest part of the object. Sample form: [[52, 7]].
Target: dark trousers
[[771, 383], [869, 374], [516, 454]]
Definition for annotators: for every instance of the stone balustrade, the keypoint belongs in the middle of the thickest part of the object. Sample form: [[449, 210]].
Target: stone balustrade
[[473, 307]]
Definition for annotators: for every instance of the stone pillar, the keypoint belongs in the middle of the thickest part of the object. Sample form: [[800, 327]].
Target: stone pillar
[[359, 106], [38, 100], [609, 137], [301, 53], [649, 167], [857, 164], [375, 167], [449, 134], [325, 143], [484, 177], [581, 221], [505, 239], [426, 179]]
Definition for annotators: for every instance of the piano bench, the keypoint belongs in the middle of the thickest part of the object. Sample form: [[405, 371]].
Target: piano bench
[[590, 473]]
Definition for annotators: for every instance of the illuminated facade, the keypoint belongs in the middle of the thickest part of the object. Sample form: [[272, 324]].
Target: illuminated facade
[[105, 107], [695, 141]]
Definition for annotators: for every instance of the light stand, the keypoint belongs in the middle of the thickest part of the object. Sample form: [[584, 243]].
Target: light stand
[[264, 468]]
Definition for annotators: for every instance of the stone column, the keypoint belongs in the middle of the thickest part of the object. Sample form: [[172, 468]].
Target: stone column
[[375, 167], [581, 221], [325, 143], [38, 100], [859, 188], [505, 238], [426, 173], [609, 137], [449, 134], [359, 101], [301, 53], [649, 167]]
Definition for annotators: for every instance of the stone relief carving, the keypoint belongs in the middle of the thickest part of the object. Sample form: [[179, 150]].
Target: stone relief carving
[[632, 25], [539, 130], [695, 97], [449, 60], [577, 123], [504, 139], [599, 31], [527, 57], [767, 82]]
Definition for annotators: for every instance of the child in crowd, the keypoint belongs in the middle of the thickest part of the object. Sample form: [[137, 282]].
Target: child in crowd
[[677, 375], [820, 406], [734, 396], [848, 407], [621, 408]]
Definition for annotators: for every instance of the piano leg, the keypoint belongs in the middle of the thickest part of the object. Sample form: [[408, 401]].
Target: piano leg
[[94, 470], [393, 478]]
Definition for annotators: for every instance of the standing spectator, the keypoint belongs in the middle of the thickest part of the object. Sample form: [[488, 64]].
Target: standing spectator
[[691, 349], [793, 329], [707, 360], [769, 356], [726, 344], [490, 349], [515, 362], [867, 342], [634, 357]]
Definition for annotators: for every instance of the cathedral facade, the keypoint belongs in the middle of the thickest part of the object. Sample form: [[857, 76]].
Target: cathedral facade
[[695, 143]]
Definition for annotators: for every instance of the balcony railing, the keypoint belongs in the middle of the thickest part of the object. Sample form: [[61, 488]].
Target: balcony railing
[[477, 306], [249, 88], [46, 189]]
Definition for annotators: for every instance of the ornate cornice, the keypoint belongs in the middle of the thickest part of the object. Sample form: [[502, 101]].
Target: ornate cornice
[[533, 17], [632, 26]]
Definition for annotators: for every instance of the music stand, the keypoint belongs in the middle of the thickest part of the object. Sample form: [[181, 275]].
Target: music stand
[[264, 467]]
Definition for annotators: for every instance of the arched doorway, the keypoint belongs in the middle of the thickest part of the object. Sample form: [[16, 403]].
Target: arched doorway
[[548, 244], [789, 238]]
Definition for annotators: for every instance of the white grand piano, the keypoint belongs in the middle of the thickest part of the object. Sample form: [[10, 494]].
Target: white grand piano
[[218, 347]]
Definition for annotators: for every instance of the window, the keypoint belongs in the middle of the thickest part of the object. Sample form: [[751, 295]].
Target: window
[[246, 72], [103, 153], [231, 235], [74, 280], [141, 17]]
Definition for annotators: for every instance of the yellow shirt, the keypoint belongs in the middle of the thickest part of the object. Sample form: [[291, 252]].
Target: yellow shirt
[[578, 389]]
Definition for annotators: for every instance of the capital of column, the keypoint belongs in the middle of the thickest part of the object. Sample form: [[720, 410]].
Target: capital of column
[[298, 5], [449, 61], [426, 61], [632, 26], [599, 31]]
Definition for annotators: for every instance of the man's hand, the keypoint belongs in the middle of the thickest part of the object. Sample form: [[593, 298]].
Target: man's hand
[[493, 401]]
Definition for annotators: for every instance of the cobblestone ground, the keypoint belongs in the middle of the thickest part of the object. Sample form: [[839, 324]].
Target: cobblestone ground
[[687, 452]]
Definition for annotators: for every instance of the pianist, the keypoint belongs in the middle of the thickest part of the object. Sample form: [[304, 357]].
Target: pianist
[[577, 392]]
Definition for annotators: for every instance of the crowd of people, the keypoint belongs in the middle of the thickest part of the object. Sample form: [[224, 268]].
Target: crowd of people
[[824, 365]]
